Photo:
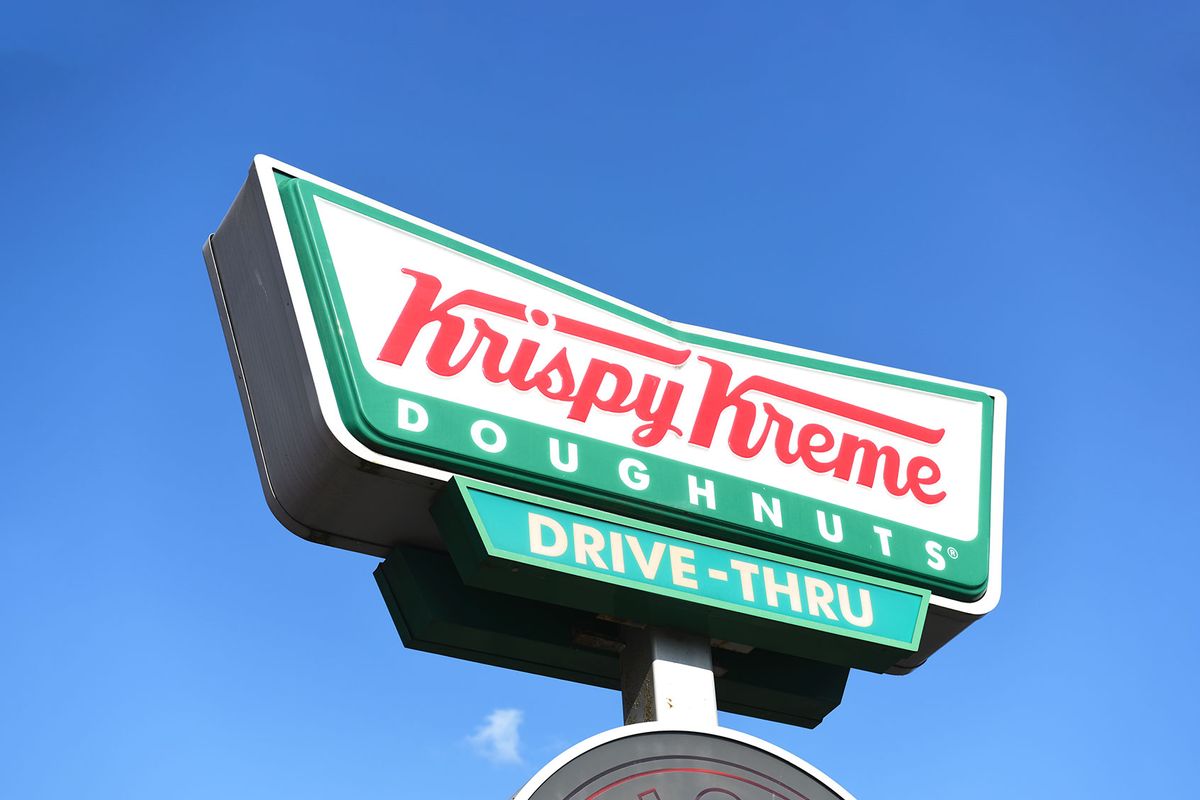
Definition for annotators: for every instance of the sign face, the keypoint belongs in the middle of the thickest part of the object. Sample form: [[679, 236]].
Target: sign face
[[549, 550], [647, 762], [447, 354]]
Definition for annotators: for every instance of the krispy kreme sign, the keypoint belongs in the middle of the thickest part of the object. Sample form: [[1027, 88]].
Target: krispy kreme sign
[[442, 352]]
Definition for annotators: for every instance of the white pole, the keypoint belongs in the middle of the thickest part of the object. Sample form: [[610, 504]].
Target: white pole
[[667, 676]]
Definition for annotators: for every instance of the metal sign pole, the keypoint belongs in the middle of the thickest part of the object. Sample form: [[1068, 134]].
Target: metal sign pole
[[667, 676]]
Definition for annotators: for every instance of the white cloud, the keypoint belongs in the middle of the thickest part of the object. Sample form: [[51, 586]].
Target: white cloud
[[498, 739]]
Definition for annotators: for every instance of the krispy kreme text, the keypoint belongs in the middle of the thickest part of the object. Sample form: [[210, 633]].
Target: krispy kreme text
[[761, 424]]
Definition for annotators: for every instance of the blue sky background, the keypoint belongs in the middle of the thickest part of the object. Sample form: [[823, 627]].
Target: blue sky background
[[1003, 193]]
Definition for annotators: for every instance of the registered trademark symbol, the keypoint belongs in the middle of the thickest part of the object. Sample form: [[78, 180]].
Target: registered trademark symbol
[[952, 552]]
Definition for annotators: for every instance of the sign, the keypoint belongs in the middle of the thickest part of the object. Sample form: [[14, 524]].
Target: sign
[[457, 356], [651, 762], [536, 547], [379, 357]]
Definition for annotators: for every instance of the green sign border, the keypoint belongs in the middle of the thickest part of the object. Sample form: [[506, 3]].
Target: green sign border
[[354, 388], [482, 564]]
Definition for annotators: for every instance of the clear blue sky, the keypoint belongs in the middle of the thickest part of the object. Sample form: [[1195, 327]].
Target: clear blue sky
[[1003, 193]]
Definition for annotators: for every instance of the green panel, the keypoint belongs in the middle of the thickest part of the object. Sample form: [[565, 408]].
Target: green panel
[[368, 409], [435, 612], [665, 577]]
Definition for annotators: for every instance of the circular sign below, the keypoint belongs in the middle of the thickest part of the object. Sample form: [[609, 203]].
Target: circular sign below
[[656, 762]]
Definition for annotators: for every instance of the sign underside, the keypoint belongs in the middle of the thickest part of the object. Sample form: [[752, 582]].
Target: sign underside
[[435, 612]]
